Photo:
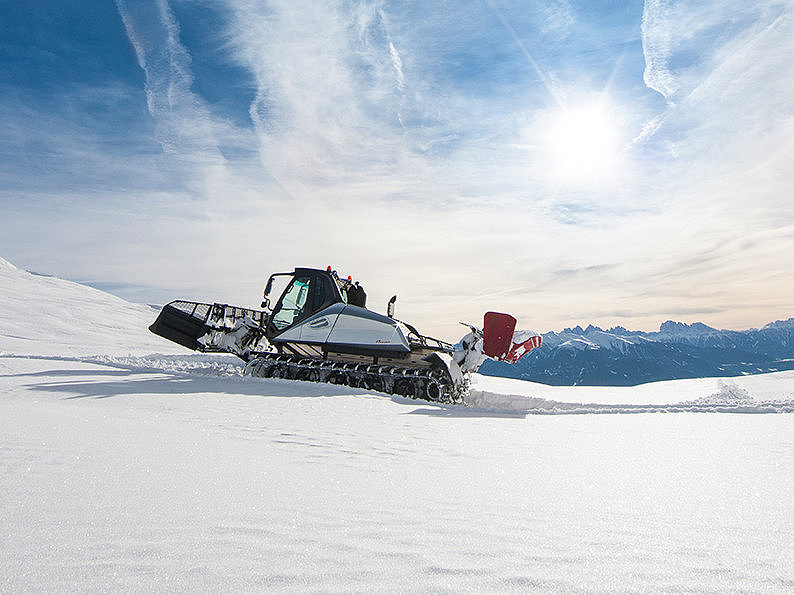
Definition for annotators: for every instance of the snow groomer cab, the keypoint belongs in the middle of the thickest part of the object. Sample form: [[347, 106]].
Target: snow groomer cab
[[312, 318]]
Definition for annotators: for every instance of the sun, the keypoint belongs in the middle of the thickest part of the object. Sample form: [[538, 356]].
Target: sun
[[582, 144]]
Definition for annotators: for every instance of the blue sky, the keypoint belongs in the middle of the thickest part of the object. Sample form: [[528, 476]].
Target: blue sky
[[568, 162]]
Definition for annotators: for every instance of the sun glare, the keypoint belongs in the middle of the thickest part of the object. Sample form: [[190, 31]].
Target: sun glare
[[582, 144]]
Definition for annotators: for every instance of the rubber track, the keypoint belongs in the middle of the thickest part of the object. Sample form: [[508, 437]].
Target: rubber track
[[416, 383]]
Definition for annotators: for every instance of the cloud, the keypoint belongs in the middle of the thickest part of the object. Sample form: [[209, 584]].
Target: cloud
[[398, 66], [731, 126], [185, 127], [657, 36], [683, 41], [558, 17], [328, 105], [403, 144], [84, 139], [553, 21]]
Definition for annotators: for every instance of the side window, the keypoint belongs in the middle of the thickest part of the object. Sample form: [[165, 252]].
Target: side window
[[342, 291], [293, 305], [319, 294]]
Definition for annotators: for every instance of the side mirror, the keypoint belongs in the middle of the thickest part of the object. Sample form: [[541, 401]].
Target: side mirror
[[390, 307], [269, 286]]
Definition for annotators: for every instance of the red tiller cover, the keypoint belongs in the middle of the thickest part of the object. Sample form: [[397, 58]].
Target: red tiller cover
[[497, 334]]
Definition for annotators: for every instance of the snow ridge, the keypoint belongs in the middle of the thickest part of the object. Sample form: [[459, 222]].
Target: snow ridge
[[4, 264], [47, 315]]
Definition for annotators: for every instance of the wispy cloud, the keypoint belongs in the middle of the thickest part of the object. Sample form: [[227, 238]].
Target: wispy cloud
[[185, 127], [329, 84], [558, 15], [684, 41], [554, 23], [657, 35]]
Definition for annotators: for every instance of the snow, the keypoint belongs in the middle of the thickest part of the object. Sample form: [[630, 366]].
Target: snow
[[589, 338], [579, 343], [761, 393], [130, 464], [47, 315]]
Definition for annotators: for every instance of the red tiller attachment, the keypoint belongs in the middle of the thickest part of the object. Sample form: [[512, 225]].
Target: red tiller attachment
[[502, 342]]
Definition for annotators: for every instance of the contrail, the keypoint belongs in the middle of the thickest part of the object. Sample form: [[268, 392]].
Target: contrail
[[184, 123]]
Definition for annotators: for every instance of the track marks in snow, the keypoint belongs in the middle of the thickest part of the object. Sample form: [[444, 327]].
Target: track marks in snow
[[198, 374], [729, 398]]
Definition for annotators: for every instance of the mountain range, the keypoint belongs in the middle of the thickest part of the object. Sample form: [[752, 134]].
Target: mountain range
[[620, 357]]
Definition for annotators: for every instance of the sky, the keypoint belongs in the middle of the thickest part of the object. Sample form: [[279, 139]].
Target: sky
[[567, 162]]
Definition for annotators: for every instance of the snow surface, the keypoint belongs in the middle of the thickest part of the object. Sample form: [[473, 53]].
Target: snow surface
[[130, 464], [40, 314]]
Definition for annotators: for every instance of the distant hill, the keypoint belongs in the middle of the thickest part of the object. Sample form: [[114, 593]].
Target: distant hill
[[619, 357], [45, 315]]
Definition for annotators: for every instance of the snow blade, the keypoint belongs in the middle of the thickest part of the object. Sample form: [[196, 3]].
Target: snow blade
[[196, 325], [497, 334], [183, 323]]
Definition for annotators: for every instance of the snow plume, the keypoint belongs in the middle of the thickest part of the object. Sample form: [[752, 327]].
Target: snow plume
[[184, 124]]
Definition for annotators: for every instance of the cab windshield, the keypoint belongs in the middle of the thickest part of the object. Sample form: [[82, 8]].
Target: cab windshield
[[292, 306]]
